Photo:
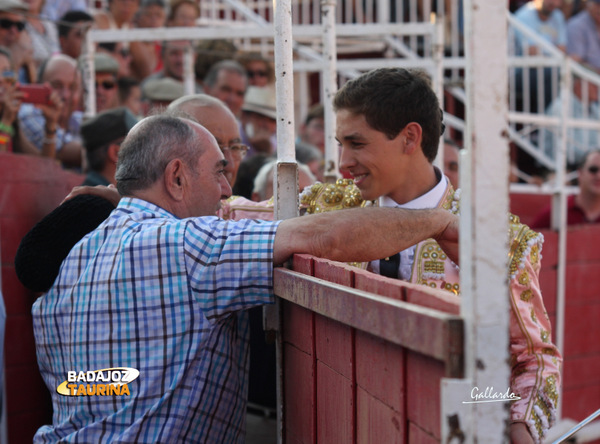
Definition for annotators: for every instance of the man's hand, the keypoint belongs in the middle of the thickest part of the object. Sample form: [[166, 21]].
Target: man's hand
[[11, 102], [52, 111], [448, 238], [109, 193], [519, 434]]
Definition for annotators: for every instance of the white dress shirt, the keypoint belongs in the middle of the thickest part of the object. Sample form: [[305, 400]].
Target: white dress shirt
[[431, 199]]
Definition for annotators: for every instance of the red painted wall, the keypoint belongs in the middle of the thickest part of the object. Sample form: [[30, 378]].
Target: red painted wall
[[30, 187], [581, 367]]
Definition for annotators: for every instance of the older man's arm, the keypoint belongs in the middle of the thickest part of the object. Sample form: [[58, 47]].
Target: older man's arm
[[365, 234]]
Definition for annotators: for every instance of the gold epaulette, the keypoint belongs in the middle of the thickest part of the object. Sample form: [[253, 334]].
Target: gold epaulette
[[524, 242], [322, 197]]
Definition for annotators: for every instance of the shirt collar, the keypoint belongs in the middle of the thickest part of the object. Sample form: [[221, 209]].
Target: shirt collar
[[134, 205], [431, 199]]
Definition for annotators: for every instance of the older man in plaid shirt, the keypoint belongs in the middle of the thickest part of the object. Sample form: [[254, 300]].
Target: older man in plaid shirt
[[161, 287]]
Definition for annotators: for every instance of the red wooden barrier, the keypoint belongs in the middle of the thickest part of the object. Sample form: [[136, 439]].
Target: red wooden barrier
[[349, 375], [30, 187]]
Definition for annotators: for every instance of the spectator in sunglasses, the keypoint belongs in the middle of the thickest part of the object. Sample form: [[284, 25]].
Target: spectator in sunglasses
[[258, 68], [71, 30], [106, 68], [584, 207], [14, 37]]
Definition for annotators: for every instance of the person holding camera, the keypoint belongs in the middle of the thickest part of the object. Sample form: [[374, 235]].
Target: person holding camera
[[52, 120], [11, 96]]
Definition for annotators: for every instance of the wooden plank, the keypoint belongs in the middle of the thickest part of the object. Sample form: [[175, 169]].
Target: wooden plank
[[430, 332]]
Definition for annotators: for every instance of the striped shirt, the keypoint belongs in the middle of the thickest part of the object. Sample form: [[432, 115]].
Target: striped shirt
[[162, 295]]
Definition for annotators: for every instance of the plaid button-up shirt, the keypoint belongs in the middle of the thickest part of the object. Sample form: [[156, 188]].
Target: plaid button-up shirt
[[163, 295]]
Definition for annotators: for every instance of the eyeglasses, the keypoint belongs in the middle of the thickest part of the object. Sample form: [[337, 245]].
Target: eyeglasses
[[238, 150], [593, 169], [252, 74], [106, 84], [7, 24]]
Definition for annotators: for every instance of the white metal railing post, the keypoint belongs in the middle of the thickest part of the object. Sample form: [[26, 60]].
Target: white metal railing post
[[329, 81], [484, 222], [284, 87], [87, 75], [438, 76], [383, 12], [189, 81], [559, 210], [285, 183]]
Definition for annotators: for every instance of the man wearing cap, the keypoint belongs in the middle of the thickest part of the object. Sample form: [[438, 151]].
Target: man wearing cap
[[583, 44], [106, 68], [102, 136], [159, 93], [258, 121], [59, 123]]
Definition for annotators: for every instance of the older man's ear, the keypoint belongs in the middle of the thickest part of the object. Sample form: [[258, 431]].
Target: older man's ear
[[175, 179]]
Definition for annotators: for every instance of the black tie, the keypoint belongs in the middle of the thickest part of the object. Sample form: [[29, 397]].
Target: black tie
[[389, 266]]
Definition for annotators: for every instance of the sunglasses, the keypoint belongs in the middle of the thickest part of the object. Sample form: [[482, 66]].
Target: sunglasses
[[252, 74], [106, 84], [593, 169], [7, 24], [238, 150]]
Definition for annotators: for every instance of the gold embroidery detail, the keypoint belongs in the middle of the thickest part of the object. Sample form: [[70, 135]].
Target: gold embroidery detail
[[541, 403], [537, 422], [433, 267], [533, 316], [535, 254], [327, 197], [520, 245], [545, 335], [524, 278], [527, 295], [548, 351], [550, 389]]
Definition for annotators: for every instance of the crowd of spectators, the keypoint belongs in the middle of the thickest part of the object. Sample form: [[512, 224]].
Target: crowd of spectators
[[41, 47], [573, 27]]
